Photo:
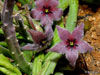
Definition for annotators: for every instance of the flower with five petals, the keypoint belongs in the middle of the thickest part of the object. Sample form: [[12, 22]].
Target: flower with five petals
[[71, 44], [46, 11]]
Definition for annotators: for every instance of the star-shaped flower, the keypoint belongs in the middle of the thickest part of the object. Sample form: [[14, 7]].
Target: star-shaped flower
[[71, 43], [46, 11], [41, 39]]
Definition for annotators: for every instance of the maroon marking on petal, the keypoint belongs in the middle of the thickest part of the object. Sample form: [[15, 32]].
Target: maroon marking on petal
[[71, 44], [47, 10]]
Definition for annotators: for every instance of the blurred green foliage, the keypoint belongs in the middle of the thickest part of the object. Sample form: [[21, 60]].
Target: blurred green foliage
[[7, 68]]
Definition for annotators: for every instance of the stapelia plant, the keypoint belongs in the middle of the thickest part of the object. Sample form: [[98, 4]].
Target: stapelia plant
[[41, 39], [46, 11], [71, 43], [9, 32]]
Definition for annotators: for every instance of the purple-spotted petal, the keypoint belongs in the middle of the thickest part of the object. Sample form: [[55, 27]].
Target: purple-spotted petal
[[78, 32], [37, 36], [57, 13], [59, 48], [84, 47], [48, 32], [63, 34], [72, 56], [36, 13]]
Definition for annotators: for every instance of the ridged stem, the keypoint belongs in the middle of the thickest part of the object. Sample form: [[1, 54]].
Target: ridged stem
[[9, 32], [22, 27]]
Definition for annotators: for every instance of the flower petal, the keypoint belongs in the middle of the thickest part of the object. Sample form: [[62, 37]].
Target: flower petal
[[59, 48], [46, 19], [31, 22], [40, 3], [36, 13], [78, 33], [48, 32], [72, 56], [31, 47], [63, 34], [27, 47], [57, 13], [84, 47], [37, 36], [50, 19], [53, 3]]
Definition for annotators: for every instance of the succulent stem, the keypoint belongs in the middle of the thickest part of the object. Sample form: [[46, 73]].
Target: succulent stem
[[22, 28], [9, 32], [72, 15]]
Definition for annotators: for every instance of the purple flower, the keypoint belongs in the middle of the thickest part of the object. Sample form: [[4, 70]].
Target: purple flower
[[41, 40], [71, 43], [46, 11]]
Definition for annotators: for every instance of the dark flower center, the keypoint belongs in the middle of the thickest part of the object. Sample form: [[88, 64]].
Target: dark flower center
[[47, 10], [71, 43]]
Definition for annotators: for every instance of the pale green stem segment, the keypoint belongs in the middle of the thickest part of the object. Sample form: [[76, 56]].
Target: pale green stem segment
[[72, 15], [63, 4]]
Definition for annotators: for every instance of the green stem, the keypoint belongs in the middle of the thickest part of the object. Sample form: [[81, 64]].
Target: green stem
[[72, 15], [22, 28]]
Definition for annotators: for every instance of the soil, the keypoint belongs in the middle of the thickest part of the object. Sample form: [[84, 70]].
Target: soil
[[90, 61]]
